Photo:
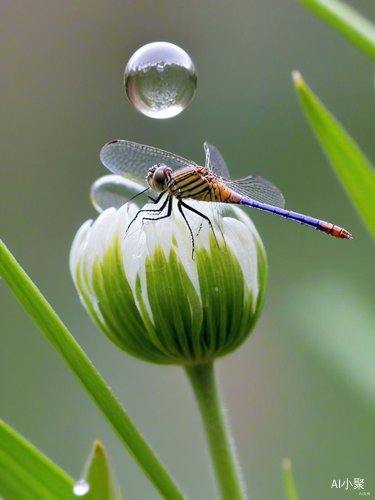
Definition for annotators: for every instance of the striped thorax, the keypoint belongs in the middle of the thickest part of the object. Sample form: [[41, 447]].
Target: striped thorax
[[195, 183]]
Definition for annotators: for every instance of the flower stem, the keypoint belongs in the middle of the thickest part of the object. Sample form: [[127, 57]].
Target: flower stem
[[221, 444], [59, 336]]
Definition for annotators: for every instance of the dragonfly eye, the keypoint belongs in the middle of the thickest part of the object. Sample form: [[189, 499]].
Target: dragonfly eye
[[156, 178]]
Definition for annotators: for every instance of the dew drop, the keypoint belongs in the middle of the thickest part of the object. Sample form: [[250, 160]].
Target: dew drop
[[160, 80], [81, 488]]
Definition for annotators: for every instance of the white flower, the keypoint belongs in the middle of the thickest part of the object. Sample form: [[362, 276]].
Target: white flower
[[150, 297]]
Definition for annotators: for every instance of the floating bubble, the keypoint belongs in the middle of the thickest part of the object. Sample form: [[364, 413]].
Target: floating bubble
[[160, 80], [115, 191]]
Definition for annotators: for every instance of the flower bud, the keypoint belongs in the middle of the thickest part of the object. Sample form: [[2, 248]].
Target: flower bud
[[139, 282]]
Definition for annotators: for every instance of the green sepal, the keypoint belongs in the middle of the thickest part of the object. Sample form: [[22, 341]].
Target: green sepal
[[227, 308], [179, 327], [116, 303]]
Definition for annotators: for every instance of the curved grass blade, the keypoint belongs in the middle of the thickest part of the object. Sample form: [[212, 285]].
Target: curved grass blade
[[61, 339], [350, 23], [27, 474], [353, 168]]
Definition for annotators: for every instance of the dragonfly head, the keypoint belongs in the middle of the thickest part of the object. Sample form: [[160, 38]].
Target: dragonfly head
[[158, 177]]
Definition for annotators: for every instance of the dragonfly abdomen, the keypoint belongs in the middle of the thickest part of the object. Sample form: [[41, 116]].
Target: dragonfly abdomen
[[320, 225]]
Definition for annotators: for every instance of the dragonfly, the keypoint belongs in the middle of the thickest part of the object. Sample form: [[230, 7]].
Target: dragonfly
[[172, 176]]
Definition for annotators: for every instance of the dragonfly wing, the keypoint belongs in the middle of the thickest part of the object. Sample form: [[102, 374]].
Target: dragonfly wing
[[207, 163], [133, 160], [256, 188], [215, 162]]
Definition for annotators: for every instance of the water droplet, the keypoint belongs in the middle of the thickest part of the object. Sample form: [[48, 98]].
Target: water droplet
[[160, 80], [81, 488], [115, 191]]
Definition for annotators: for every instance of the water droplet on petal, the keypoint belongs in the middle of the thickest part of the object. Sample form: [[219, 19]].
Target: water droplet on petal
[[81, 488], [115, 191], [160, 80]]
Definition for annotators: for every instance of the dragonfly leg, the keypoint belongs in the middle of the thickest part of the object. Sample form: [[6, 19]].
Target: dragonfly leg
[[157, 199], [158, 210], [141, 192], [168, 214], [180, 202], [188, 225]]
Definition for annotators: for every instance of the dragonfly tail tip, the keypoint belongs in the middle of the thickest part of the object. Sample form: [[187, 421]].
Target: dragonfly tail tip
[[346, 235]]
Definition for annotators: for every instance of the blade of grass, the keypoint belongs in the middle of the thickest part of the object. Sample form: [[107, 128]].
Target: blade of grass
[[353, 168], [27, 474], [59, 336], [289, 486], [99, 476], [350, 23]]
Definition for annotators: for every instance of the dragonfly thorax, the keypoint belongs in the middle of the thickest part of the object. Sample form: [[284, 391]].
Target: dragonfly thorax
[[158, 177]]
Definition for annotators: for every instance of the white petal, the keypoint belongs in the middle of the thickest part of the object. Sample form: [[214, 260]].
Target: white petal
[[77, 265], [133, 244], [102, 233], [242, 243], [95, 244], [79, 242], [184, 250], [241, 215]]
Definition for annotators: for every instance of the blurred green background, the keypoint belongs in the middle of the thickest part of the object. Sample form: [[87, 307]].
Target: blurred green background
[[303, 385]]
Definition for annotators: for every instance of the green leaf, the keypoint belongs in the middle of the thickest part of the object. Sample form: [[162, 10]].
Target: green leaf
[[353, 168], [59, 336], [290, 488], [26, 474], [350, 23], [99, 477]]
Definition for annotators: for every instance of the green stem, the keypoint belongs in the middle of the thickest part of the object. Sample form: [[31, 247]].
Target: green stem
[[55, 331], [226, 465]]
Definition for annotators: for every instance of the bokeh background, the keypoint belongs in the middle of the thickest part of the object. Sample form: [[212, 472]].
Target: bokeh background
[[303, 385]]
